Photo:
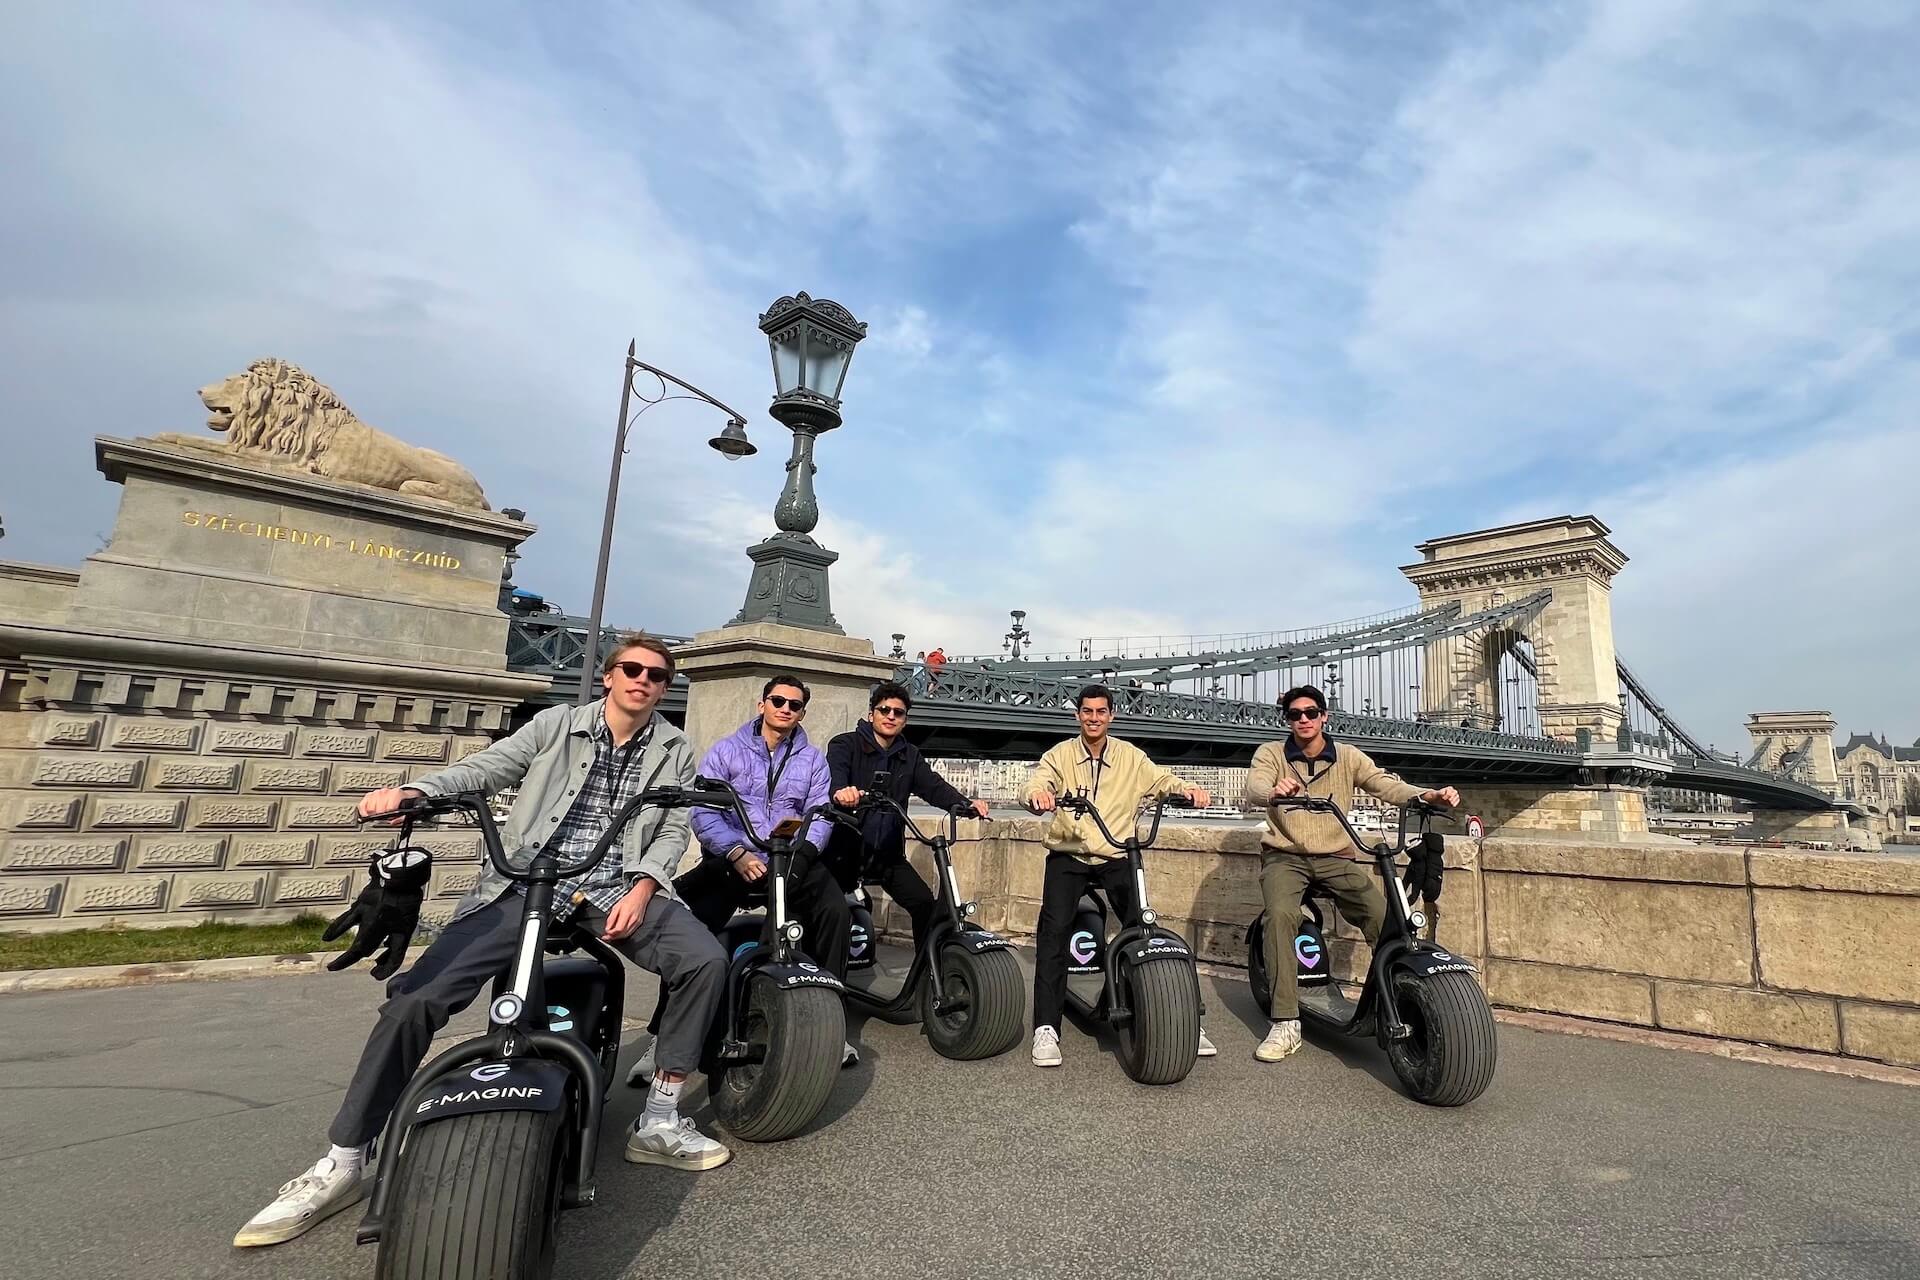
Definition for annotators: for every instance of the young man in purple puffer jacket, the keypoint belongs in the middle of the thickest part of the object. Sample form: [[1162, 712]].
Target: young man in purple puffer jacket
[[778, 774]]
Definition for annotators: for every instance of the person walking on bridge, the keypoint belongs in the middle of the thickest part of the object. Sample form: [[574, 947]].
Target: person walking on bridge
[[1118, 778], [1300, 850]]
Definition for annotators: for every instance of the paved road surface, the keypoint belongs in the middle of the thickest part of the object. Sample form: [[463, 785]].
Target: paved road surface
[[139, 1127]]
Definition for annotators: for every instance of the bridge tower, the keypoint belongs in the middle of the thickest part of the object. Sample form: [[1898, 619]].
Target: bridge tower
[[1799, 743], [1572, 653], [1572, 640]]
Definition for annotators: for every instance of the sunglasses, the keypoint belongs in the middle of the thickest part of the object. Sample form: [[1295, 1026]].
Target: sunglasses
[[891, 713], [634, 670], [780, 702], [1303, 713]]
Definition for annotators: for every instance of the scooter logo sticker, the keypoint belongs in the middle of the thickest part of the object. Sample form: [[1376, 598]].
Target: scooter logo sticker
[[492, 1071], [1080, 947], [857, 943], [1306, 951]]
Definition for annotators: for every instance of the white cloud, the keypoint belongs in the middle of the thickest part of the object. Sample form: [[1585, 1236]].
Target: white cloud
[[1196, 325]]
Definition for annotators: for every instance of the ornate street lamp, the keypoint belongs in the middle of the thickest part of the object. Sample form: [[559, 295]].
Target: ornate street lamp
[[732, 444], [899, 650], [1018, 636], [811, 341]]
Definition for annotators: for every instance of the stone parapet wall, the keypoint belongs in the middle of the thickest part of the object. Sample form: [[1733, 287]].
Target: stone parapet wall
[[141, 799], [1776, 946]]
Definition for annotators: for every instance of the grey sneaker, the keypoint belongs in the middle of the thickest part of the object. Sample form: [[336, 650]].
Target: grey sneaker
[[676, 1144], [307, 1201], [642, 1074], [1046, 1047], [1206, 1046], [1283, 1038], [851, 1057]]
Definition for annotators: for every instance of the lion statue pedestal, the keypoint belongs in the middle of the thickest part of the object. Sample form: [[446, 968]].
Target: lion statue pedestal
[[301, 530], [277, 415]]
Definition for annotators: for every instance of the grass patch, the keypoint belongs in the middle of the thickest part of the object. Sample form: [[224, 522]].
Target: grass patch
[[212, 940]]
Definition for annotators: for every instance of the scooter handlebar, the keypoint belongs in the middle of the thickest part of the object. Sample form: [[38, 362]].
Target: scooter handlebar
[[1323, 804], [1078, 804]]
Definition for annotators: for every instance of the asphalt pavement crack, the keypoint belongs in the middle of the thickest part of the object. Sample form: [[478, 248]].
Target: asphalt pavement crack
[[332, 1090]]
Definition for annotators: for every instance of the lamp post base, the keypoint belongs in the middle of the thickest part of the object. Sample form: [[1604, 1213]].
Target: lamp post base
[[789, 584]]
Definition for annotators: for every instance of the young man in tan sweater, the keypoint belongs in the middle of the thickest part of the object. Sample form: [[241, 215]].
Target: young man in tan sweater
[[1117, 777], [1301, 848]]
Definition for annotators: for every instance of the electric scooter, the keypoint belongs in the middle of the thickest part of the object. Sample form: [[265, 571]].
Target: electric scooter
[[776, 1050], [1143, 983], [521, 1102], [1420, 1001], [964, 985]]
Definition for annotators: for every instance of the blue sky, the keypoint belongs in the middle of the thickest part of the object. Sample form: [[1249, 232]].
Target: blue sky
[[1182, 320]]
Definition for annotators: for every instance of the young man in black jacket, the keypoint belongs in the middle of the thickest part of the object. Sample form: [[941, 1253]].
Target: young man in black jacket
[[878, 849]]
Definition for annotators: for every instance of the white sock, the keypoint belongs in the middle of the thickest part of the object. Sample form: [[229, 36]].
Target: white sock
[[663, 1102], [349, 1160]]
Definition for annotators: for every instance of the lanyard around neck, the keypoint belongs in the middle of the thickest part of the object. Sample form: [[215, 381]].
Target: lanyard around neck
[[773, 774]]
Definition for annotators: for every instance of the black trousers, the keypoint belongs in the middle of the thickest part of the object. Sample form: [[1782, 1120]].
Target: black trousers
[[1067, 878], [714, 891], [896, 878]]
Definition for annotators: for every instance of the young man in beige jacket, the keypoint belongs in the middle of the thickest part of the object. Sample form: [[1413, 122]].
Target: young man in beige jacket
[[1301, 848], [1117, 777]]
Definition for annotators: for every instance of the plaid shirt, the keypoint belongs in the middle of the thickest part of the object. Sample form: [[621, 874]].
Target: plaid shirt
[[606, 788]]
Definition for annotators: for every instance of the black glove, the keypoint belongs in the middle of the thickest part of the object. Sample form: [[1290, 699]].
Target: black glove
[[804, 855], [1426, 867], [386, 911]]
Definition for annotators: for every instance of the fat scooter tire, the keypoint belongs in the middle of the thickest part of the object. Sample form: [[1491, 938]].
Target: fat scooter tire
[[476, 1195], [1449, 1058], [996, 996], [1162, 1041], [799, 1034]]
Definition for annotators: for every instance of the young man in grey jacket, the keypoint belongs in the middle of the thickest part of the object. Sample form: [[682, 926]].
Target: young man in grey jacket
[[576, 767]]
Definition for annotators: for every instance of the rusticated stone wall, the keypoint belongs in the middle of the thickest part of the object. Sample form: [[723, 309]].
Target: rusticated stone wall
[[186, 721], [152, 799]]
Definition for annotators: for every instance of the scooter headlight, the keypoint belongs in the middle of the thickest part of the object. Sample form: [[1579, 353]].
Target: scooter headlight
[[1149, 916], [793, 931], [969, 909], [1418, 919], [506, 1009]]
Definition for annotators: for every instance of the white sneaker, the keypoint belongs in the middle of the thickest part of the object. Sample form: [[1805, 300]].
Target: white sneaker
[[676, 1144], [308, 1200], [642, 1073], [1283, 1038], [1206, 1046], [1046, 1047], [851, 1057]]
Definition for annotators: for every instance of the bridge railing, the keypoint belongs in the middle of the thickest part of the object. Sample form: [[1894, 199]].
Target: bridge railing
[[998, 687], [555, 644]]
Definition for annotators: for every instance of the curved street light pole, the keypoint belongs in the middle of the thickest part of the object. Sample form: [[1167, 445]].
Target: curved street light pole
[[732, 443]]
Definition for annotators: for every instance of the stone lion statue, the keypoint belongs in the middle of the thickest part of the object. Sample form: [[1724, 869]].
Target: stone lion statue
[[277, 414]]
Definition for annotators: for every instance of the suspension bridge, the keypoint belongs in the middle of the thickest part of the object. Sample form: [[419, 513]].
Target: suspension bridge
[[1504, 671]]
